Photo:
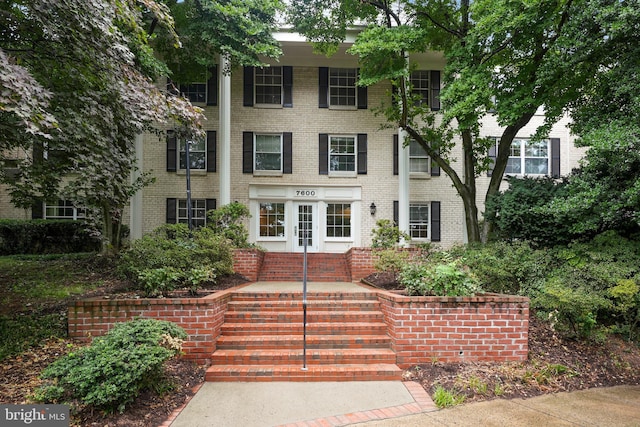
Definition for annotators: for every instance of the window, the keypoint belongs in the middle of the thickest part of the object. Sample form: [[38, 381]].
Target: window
[[419, 220], [198, 212], [342, 87], [419, 161], [197, 154], [528, 158], [63, 209], [194, 92], [420, 85], [268, 83], [271, 219], [342, 154], [268, 153], [339, 220]]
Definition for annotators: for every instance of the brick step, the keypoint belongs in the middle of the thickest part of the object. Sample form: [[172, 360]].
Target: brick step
[[368, 372], [312, 305], [296, 341], [297, 296], [355, 328], [314, 356], [297, 316]]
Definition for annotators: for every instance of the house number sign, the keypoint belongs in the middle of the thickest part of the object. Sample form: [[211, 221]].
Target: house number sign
[[306, 193]]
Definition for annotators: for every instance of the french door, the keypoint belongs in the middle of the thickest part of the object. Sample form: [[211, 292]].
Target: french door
[[305, 227]]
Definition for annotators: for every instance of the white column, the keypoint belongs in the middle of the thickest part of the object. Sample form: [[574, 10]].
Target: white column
[[224, 74], [403, 187], [136, 204]]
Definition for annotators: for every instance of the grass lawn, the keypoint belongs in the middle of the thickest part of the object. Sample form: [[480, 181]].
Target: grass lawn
[[34, 291]]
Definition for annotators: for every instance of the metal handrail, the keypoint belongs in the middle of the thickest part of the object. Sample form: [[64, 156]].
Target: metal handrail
[[304, 300]]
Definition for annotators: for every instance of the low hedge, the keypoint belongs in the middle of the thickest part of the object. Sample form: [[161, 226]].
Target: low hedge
[[45, 237]]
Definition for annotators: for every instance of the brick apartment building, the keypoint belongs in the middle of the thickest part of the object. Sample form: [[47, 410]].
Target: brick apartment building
[[300, 145]]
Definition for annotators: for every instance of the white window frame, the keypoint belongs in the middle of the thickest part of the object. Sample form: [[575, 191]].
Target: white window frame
[[414, 223], [182, 153], [421, 85], [343, 173], [521, 145], [277, 216], [339, 84], [198, 212], [414, 158], [64, 206], [257, 171], [261, 78], [345, 206]]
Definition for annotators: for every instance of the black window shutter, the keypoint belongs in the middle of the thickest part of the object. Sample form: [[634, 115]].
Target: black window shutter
[[396, 212], [361, 93], [287, 86], [287, 152], [395, 154], [210, 204], [435, 221], [435, 169], [211, 150], [323, 154], [493, 153], [247, 152], [434, 79], [172, 210], [212, 87], [247, 99], [362, 154], [323, 89], [38, 153], [37, 209], [555, 157], [172, 151]]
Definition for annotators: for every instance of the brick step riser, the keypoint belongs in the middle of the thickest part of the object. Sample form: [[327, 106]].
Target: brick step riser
[[295, 345], [312, 317], [297, 296], [298, 359], [295, 373], [249, 330], [297, 306]]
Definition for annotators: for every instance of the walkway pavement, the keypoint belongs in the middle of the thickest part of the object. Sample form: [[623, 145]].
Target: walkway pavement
[[396, 404]]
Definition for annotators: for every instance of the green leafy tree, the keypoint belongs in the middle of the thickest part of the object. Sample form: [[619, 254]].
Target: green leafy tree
[[502, 57]]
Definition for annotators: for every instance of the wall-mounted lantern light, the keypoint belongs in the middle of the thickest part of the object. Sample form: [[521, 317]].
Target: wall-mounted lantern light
[[372, 208]]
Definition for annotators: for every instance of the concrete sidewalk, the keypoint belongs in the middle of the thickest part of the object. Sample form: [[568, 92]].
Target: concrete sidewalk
[[391, 403]]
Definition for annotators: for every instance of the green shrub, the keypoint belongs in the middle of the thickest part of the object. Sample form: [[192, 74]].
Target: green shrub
[[172, 257], [444, 398], [449, 279], [386, 235], [46, 237], [112, 371], [227, 221]]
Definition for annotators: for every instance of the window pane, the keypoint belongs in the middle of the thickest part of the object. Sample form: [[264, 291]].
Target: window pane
[[268, 153], [514, 165], [342, 154], [418, 159], [197, 154], [419, 220], [420, 85], [342, 86], [536, 166], [194, 92], [339, 220], [269, 85], [198, 212], [272, 219]]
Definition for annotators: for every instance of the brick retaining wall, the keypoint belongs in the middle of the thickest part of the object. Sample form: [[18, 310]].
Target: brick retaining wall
[[248, 262], [200, 317], [456, 329]]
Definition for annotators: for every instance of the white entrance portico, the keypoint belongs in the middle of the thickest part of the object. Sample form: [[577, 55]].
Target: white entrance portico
[[281, 215]]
